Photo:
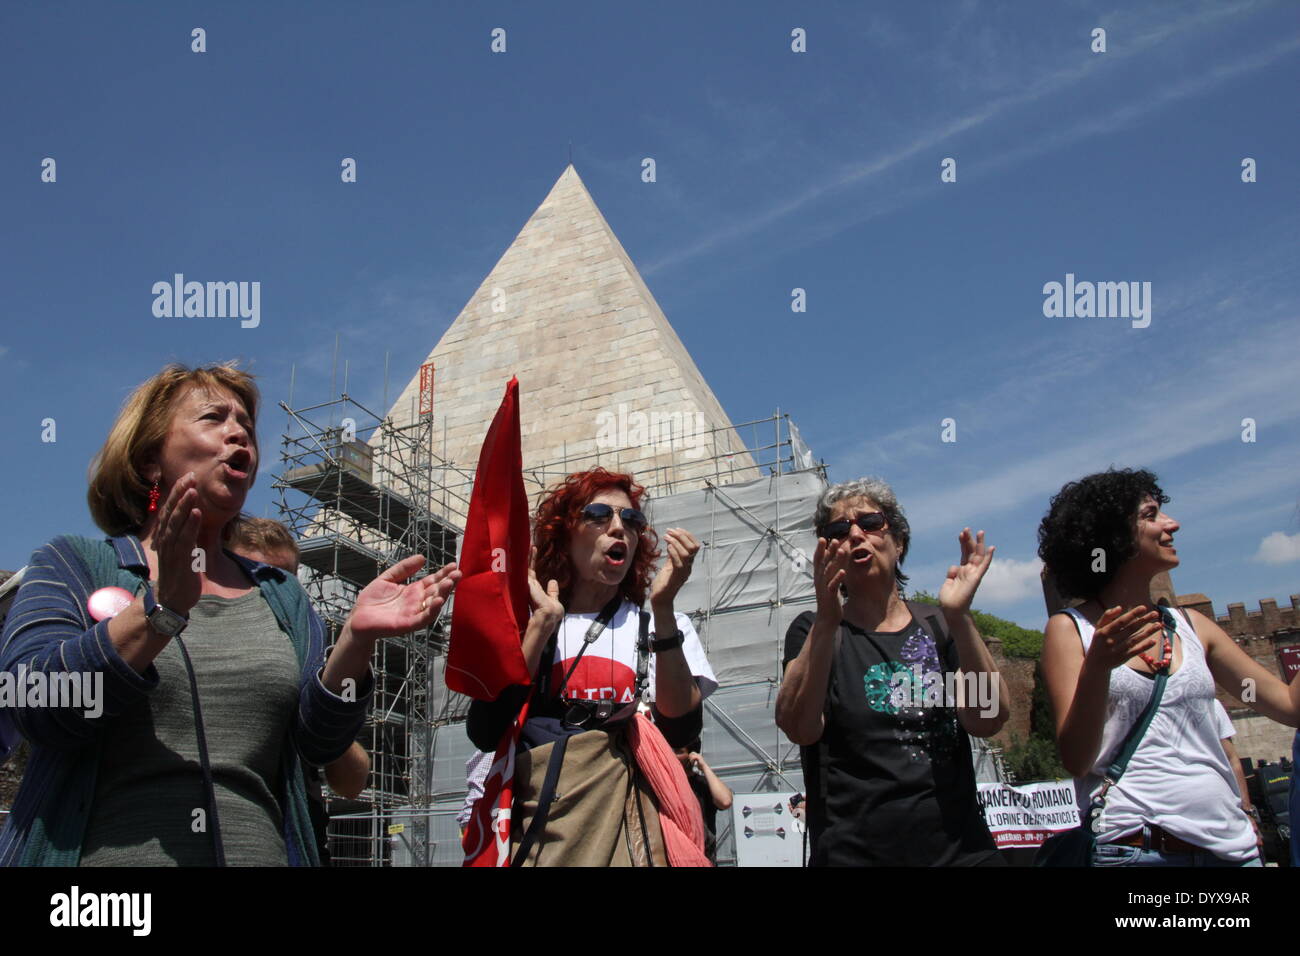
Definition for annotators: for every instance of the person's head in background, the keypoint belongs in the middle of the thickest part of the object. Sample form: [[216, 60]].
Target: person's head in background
[[265, 540]]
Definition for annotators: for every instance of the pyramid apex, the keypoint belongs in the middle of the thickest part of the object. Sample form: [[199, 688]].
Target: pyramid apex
[[570, 172], [566, 311]]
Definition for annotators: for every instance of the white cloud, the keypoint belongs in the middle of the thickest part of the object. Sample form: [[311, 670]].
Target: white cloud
[[1009, 581], [1277, 548], [1026, 91], [1159, 426]]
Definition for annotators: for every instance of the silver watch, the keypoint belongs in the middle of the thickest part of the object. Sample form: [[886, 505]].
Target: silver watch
[[165, 622]]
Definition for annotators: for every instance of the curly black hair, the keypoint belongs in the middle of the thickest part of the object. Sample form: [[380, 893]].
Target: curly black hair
[[1098, 511]]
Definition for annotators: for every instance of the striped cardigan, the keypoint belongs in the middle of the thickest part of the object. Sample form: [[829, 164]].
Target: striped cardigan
[[49, 630]]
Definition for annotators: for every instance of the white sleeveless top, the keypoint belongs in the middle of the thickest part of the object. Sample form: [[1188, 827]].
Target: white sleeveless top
[[1179, 777]]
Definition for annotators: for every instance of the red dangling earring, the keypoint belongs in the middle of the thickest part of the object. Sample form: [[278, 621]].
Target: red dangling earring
[[154, 495]]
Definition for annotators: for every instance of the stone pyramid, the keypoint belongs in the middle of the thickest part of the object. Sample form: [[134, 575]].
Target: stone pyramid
[[603, 378]]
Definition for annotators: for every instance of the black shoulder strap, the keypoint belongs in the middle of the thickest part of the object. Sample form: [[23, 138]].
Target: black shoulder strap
[[543, 683], [835, 659], [823, 749], [547, 795], [930, 617], [593, 632], [643, 654], [544, 801]]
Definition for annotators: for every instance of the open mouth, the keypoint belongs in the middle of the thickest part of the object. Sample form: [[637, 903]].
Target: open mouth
[[861, 556], [237, 464], [616, 555]]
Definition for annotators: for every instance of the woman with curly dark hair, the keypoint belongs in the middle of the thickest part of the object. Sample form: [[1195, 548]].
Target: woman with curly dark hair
[[598, 658], [1103, 540]]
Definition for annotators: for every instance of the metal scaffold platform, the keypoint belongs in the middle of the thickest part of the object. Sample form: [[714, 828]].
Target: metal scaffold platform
[[359, 493]]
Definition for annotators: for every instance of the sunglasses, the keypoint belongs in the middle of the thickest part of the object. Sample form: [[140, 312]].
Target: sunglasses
[[601, 514], [871, 522]]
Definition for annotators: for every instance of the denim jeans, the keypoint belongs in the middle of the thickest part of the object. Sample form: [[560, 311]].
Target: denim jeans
[[1115, 854]]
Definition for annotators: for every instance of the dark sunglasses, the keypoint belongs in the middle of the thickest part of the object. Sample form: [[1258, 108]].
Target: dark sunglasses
[[872, 521], [599, 513]]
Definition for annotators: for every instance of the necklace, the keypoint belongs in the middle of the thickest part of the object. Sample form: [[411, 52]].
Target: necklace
[[1166, 648]]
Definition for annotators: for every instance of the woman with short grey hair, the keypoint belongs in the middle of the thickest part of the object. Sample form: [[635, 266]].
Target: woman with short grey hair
[[872, 489], [881, 693]]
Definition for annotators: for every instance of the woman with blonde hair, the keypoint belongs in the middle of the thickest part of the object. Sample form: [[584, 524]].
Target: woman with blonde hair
[[202, 673]]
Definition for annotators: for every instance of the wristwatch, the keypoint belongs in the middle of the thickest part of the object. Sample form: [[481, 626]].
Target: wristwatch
[[660, 644], [165, 622]]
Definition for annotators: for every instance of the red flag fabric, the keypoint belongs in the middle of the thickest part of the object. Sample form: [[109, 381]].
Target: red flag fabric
[[490, 610], [487, 837]]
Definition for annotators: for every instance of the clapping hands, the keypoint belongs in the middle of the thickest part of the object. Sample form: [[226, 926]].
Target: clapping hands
[[963, 580], [387, 607]]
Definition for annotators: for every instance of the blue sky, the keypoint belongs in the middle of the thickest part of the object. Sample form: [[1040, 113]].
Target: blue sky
[[775, 170]]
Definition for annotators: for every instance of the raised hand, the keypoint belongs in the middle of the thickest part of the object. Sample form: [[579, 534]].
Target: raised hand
[[1121, 635], [548, 612], [963, 580], [174, 538], [830, 566], [387, 607], [682, 547]]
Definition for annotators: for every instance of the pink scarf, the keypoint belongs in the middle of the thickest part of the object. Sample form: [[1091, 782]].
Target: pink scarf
[[679, 810]]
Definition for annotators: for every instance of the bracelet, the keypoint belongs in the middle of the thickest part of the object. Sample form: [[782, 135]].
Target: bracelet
[[668, 643]]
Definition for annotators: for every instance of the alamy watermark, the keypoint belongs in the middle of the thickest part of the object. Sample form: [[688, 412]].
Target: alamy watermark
[[657, 431], [916, 687], [75, 908], [210, 300], [77, 690], [1101, 300]]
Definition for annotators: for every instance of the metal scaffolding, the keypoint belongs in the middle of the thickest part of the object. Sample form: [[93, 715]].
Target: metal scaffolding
[[356, 491], [360, 492], [752, 578]]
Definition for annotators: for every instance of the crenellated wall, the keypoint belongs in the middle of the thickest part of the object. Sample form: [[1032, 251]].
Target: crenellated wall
[[1261, 634]]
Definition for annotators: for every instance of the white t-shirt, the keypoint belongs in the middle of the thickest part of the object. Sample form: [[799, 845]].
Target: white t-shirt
[[1226, 729], [1179, 777], [607, 670]]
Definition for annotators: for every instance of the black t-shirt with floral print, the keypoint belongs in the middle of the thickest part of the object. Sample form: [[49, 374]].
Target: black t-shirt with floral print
[[900, 784]]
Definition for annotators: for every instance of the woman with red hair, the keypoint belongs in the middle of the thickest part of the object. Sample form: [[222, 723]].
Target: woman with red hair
[[597, 658]]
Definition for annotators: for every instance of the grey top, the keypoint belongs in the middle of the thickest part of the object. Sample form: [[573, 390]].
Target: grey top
[[150, 781]]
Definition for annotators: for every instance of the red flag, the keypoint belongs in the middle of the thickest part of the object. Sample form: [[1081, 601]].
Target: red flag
[[491, 606], [487, 837]]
